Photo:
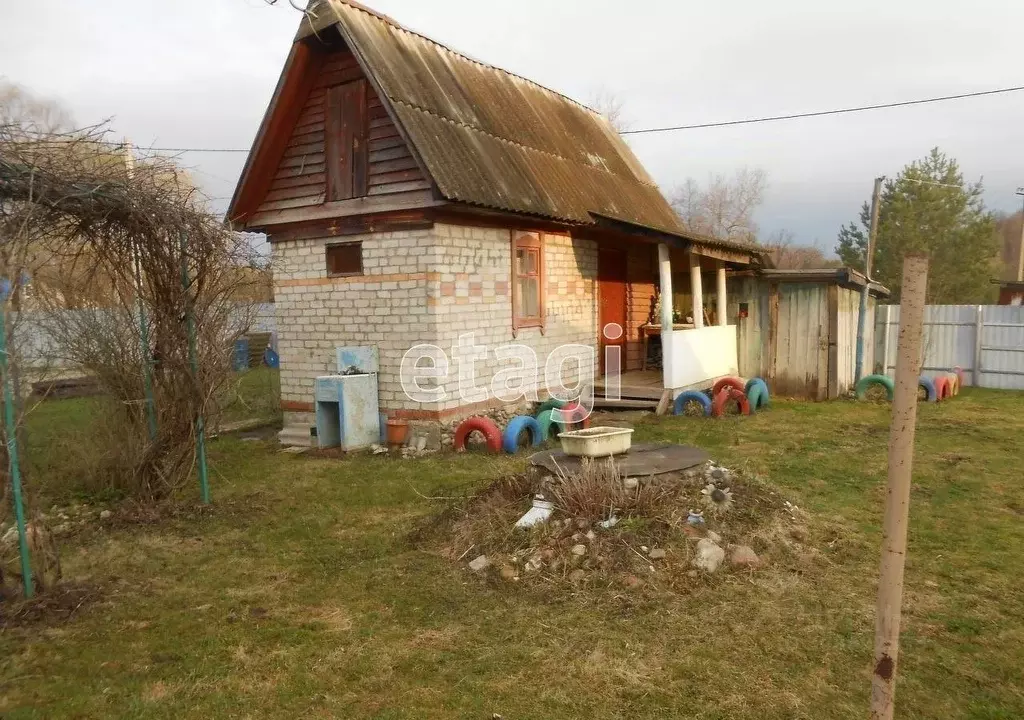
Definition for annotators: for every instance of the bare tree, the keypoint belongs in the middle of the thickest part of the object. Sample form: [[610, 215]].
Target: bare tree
[[609, 104], [33, 114], [725, 206], [786, 254]]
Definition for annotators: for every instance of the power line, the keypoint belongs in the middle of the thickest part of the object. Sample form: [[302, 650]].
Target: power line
[[820, 113], [726, 123]]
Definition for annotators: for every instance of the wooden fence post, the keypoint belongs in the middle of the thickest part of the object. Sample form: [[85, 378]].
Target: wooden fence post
[[897, 499], [979, 336]]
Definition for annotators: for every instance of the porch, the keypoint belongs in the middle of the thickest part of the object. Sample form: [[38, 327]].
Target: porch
[[636, 305]]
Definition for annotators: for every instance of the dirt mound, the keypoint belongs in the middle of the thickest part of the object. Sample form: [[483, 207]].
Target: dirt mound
[[671, 530]]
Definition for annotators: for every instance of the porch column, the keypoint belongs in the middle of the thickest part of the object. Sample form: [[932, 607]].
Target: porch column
[[665, 271], [698, 291], [723, 306]]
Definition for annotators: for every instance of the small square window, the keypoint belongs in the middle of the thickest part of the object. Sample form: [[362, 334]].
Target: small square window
[[345, 259]]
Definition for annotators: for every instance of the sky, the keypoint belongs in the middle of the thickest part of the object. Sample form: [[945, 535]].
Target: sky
[[199, 73]]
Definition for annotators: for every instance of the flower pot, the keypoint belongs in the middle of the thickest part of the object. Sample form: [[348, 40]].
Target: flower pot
[[398, 432]]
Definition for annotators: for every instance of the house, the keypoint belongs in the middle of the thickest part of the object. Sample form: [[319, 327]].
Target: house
[[413, 195], [1011, 292]]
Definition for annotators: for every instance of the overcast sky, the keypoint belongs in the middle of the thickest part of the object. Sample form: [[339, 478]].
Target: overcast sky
[[199, 73]]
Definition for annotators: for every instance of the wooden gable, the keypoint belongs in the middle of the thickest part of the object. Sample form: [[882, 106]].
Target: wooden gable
[[342, 146]]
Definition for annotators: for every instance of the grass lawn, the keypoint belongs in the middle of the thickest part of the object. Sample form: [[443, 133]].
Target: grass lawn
[[300, 594]]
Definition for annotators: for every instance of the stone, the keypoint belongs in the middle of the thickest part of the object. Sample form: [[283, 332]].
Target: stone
[[633, 582], [744, 556], [534, 564], [657, 554], [714, 537], [718, 474], [379, 450], [591, 536], [508, 572], [577, 576], [709, 556], [480, 564], [106, 515], [631, 483], [579, 550]]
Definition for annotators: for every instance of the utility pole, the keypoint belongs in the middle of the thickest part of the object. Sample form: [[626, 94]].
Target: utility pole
[[876, 208], [1020, 255]]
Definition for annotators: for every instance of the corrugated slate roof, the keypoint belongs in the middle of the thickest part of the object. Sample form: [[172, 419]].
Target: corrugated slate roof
[[494, 139]]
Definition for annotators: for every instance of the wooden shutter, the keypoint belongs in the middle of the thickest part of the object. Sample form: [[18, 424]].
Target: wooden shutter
[[347, 156]]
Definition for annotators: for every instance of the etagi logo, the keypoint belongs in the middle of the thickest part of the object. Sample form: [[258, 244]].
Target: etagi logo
[[427, 370]]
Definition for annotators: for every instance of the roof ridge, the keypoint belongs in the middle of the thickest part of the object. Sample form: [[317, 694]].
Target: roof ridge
[[398, 26], [507, 141]]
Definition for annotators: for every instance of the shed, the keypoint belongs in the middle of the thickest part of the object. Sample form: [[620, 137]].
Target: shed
[[798, 329]]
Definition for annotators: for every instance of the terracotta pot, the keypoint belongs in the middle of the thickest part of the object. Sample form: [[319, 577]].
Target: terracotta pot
[[398, 432]]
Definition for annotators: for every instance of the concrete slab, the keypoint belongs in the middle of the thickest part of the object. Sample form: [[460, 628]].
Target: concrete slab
[[640, 461]]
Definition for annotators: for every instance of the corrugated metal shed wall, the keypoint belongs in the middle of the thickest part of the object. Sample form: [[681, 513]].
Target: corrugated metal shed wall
[[801, 360], [951, 338]]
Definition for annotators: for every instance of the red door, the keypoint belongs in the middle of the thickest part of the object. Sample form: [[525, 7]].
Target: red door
[[611, 292]]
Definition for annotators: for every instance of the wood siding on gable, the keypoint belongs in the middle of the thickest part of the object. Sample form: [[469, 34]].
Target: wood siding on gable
[[383, 166]]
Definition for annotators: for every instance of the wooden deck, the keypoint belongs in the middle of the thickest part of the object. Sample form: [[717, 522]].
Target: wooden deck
[[637, 385]]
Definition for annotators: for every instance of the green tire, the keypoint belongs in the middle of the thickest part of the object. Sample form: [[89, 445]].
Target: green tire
[[547, 424], [883, 380], [550, 404]]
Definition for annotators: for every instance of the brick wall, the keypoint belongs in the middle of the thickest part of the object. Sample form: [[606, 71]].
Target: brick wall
[[424, 286], [474, 294]]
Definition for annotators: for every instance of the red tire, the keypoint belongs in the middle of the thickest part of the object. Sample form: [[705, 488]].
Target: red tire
[[578, 421], [943, 390], [725, 396], [483, 425], [733, 382]]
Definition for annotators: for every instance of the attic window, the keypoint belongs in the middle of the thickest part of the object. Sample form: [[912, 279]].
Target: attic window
[[345, 260], [527, 281]]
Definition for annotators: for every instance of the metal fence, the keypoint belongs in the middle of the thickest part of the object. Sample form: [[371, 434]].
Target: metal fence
[[987, 341]]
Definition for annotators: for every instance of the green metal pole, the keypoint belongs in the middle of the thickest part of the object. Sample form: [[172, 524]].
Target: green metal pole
[[147, 363], [193, 359], [12, 449]]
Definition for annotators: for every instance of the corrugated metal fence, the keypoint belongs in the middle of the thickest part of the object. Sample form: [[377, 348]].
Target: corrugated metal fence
[[987, 341]]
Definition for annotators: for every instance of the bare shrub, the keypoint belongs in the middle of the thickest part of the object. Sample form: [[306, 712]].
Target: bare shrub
[[159, 260], [596, 492]]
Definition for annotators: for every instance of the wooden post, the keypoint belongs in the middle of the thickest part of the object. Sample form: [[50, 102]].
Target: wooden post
[[665, 271], [697, 287], [723, 306], [897, 500], [979, 337]]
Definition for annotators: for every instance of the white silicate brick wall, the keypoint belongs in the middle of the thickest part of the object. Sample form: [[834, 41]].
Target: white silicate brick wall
[[426, 286]]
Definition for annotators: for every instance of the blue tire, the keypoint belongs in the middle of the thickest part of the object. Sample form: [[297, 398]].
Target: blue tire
[[692, 396], [929, 386], [510, 440], [757, 394]]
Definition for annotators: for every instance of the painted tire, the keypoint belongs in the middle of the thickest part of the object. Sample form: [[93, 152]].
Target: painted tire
[[510, 440], [954, 383], [546, 423], [757, 395], [482, 425], [882, 380], [692, 396], [728, 382], [722, 399], [942, 389], [550, 404], [929, 388], [960, 374], [577, 421]]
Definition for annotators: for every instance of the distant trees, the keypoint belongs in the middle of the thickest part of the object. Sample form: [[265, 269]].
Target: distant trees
[[1009, 232], [929, 208], [724, 207]]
